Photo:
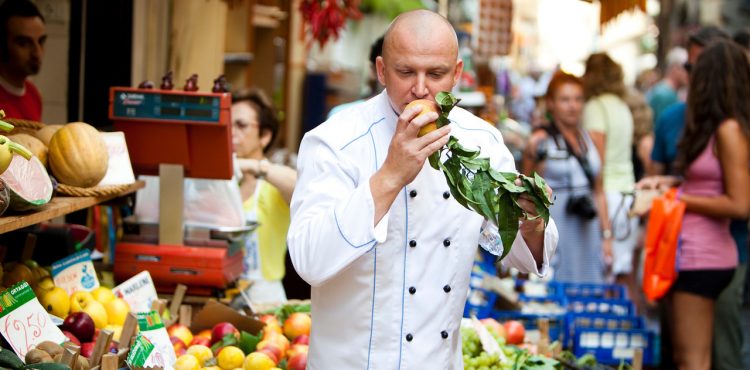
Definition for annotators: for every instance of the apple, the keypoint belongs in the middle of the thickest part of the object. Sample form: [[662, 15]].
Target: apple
[[295, 349], [72, 338], [55, 300], [97, 312], [103, 294], [302, 339], [117, 310], [182, 332], [221, 329], [180, 348], [297, 362], [201, 341], [80, 325], [297, 324], [87, 349], [78, 298]]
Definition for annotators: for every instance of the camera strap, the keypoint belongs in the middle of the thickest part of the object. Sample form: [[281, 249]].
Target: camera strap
[[553, 131]]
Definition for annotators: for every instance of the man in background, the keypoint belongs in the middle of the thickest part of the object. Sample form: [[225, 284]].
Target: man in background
[[667, 91], [22, 38]]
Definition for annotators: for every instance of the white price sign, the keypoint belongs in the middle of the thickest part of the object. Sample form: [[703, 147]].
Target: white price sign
[[23, 321], [138, 291], [75, 272]]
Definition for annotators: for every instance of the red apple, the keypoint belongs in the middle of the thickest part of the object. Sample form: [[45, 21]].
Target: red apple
[[180, 331], [180, 348], [87, 349], [297, 362], [72, 338], [221, 329], [80, 325], [201, 340], [302, 339]]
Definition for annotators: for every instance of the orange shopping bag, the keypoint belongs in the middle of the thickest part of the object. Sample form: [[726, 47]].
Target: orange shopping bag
[[662, 236]]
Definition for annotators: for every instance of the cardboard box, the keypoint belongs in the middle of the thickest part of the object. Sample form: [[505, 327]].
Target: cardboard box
[[214, 312]]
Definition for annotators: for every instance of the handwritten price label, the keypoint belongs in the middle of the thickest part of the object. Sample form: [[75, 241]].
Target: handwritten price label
[[75, 272], [23, 321]]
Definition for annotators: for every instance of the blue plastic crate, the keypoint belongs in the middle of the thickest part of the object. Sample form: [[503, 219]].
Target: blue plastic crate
[[600, 291], [557, 322], [617, 307], [576, 322], [479, 303], [486, 262], [611, 347]]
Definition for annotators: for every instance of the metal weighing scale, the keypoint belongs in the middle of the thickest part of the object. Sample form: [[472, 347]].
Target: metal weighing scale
[[175, 134]]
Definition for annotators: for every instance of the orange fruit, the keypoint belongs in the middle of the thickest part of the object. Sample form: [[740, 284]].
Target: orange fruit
[[427, 106], [230, 358], [258, 361]]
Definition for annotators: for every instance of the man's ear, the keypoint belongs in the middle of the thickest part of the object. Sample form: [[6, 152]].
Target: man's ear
[[380, 69], [459, 70]]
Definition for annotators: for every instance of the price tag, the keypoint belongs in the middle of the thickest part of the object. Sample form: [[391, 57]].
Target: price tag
[[119, 170], [140, 352], [75, 272], [23, 321], [153, 329], [138, 291]]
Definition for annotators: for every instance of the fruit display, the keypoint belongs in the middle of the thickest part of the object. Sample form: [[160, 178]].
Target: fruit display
[[33, 144], [282, 344], [511, 357], [78, 155]]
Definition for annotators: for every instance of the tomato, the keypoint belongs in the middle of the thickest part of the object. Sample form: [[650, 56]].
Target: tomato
[[515, 332]]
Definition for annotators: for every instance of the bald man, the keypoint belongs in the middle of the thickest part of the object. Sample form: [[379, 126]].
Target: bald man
[[374, 229]]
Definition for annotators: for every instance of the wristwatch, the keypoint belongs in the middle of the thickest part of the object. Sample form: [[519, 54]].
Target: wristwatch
[[262, 169], [606, 234]]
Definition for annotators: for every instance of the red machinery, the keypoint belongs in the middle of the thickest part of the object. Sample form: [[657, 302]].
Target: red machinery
[[176, 134]]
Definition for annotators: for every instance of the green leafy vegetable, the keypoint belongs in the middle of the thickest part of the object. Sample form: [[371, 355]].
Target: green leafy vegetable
[[478, 187]]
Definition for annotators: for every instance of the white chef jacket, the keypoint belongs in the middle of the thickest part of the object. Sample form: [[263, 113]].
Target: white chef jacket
[[389, 296]]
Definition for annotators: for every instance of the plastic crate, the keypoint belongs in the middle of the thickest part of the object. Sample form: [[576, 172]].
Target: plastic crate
[[479, 303], [576, 322], [617, 307], [486, 262], [611, 347], [600, 291]]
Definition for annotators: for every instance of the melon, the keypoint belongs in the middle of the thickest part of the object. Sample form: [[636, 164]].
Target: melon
[[45, 133], [28, 183], [4, 198], [36, 146], [78, 155]]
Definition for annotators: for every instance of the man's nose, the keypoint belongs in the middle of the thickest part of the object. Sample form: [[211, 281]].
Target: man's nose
[[37, 50], [420, 87]]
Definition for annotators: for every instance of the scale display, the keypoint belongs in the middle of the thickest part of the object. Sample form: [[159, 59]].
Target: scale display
[[165, 106]]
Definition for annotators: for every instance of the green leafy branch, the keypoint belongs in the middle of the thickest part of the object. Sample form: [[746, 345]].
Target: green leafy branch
[[482, 189]]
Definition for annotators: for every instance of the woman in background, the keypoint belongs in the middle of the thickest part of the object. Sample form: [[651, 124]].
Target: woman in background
[[714, 159], [565, 155], [266, 190], [610, 124]]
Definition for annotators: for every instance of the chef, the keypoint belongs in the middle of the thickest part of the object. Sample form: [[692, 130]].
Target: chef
[[375, 230]]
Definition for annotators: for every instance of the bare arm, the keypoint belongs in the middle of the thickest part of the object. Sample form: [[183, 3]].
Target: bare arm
[[733, 149], [643, 151], [282, 177]]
